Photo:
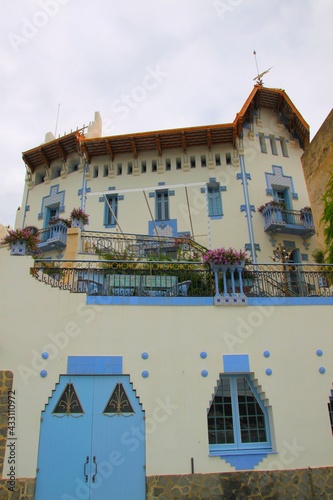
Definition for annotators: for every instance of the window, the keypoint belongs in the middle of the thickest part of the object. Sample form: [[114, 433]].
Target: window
[[95, 171], [105, 170], [167, 164], [129, 168], [154, 166], [192, 161], [228, 159], [217, 160], [56, 171], [214, 199], [73, 166], [162, 204], [178, 164], [203, 161], [237, 418], [330, 410], [50, 213], [111, 210], [119, 169], [262, 142], [272, 141], [143, 167], [284, 148]]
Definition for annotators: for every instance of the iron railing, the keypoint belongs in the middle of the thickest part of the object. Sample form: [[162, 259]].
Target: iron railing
[[193, 279], [124, 246]]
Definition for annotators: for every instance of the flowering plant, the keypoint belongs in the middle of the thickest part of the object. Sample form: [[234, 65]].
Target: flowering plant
[[272, 203], [305, 210], [79, 214], [28, 234], [224, 256], [55, 220]]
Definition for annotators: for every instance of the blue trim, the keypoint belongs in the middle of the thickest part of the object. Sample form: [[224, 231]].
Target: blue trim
[[246, 461], [236, 363], [95, 365], [206, 301], [149, 301], [290, 301]]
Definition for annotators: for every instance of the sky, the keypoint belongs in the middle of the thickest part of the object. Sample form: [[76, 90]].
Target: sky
[[150, 65]]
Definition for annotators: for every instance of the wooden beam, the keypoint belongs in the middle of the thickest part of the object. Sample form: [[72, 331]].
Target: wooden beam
[[209, 139], [62, 152], [85, 152], [184, 146], [27, 162], [134, 149], [158, 146], [44, 157], [109, 149]]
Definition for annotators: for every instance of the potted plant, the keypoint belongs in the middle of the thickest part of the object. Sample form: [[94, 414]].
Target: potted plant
[[23, 241], [56, 220], [273, 204], [224, 257], [78, 217], [305, 211]]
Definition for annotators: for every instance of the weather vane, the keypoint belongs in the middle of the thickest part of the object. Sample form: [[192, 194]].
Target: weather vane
[[259, 76]]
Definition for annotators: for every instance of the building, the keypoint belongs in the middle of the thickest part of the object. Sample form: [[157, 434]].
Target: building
[[317, 161], [123, 355]]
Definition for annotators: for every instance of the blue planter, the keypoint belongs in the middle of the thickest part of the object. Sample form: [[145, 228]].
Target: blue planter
[[19, 247]]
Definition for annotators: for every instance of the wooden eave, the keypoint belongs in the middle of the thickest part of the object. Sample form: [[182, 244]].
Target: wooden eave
[[57, 149], [181, 138]]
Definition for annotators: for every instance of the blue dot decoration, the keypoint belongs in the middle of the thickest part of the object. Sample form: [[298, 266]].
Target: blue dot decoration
[[203, 355], [268, 371], [319, 352], [322, 370], [145, 374], [267, 354], [145, 355], [43, 373], [204, 373], [45, 355]]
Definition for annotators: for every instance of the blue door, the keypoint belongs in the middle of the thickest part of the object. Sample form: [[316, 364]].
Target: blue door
[[92, 441]]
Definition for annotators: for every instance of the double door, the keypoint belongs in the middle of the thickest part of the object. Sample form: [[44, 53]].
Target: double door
[[92, 441]]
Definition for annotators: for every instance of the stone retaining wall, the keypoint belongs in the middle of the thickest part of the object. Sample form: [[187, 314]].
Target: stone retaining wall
[[302, 484], [24, 489], [6, 384]]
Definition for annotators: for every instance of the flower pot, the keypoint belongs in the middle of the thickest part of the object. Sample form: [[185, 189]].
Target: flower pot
[[77, 223], [18, 247]]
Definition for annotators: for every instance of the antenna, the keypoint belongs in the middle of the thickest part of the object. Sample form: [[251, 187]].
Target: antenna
[[55, 132], [258, 78]]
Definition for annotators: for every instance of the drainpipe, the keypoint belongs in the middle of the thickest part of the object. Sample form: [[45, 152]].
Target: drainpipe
[[244, 177]]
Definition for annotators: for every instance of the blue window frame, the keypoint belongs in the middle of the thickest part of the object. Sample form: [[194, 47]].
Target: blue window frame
[[162, 204], [237, 418], [330, 410], [111, 210], [50, 213], [214, 199]]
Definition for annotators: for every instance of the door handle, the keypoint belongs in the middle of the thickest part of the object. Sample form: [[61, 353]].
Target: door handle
[[84, 469], [94, 476]]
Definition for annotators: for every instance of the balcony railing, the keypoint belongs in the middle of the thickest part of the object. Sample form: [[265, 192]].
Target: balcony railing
[[54, 236], [288, 221], [191, 279], [136, 246]]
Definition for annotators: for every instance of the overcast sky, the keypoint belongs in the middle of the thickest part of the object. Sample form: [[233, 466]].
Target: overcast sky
[[149, 65]]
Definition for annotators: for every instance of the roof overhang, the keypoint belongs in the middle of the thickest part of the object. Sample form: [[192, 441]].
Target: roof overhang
[[182, 138]]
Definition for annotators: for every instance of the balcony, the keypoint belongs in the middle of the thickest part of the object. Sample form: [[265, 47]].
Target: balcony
[[119, 278], [288, 221], [53, 237]]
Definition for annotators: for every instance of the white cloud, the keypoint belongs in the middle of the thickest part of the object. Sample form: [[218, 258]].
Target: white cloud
[[87, 56]]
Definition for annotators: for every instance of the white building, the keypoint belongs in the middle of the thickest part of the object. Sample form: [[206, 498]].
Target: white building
[[133, 378]]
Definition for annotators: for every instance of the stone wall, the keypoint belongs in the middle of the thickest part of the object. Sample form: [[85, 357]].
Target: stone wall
[[24, 489], [302, 484], [317, 162], [6, 384]]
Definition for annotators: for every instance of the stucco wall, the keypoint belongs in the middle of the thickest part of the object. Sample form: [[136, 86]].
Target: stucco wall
[[175, 396]]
